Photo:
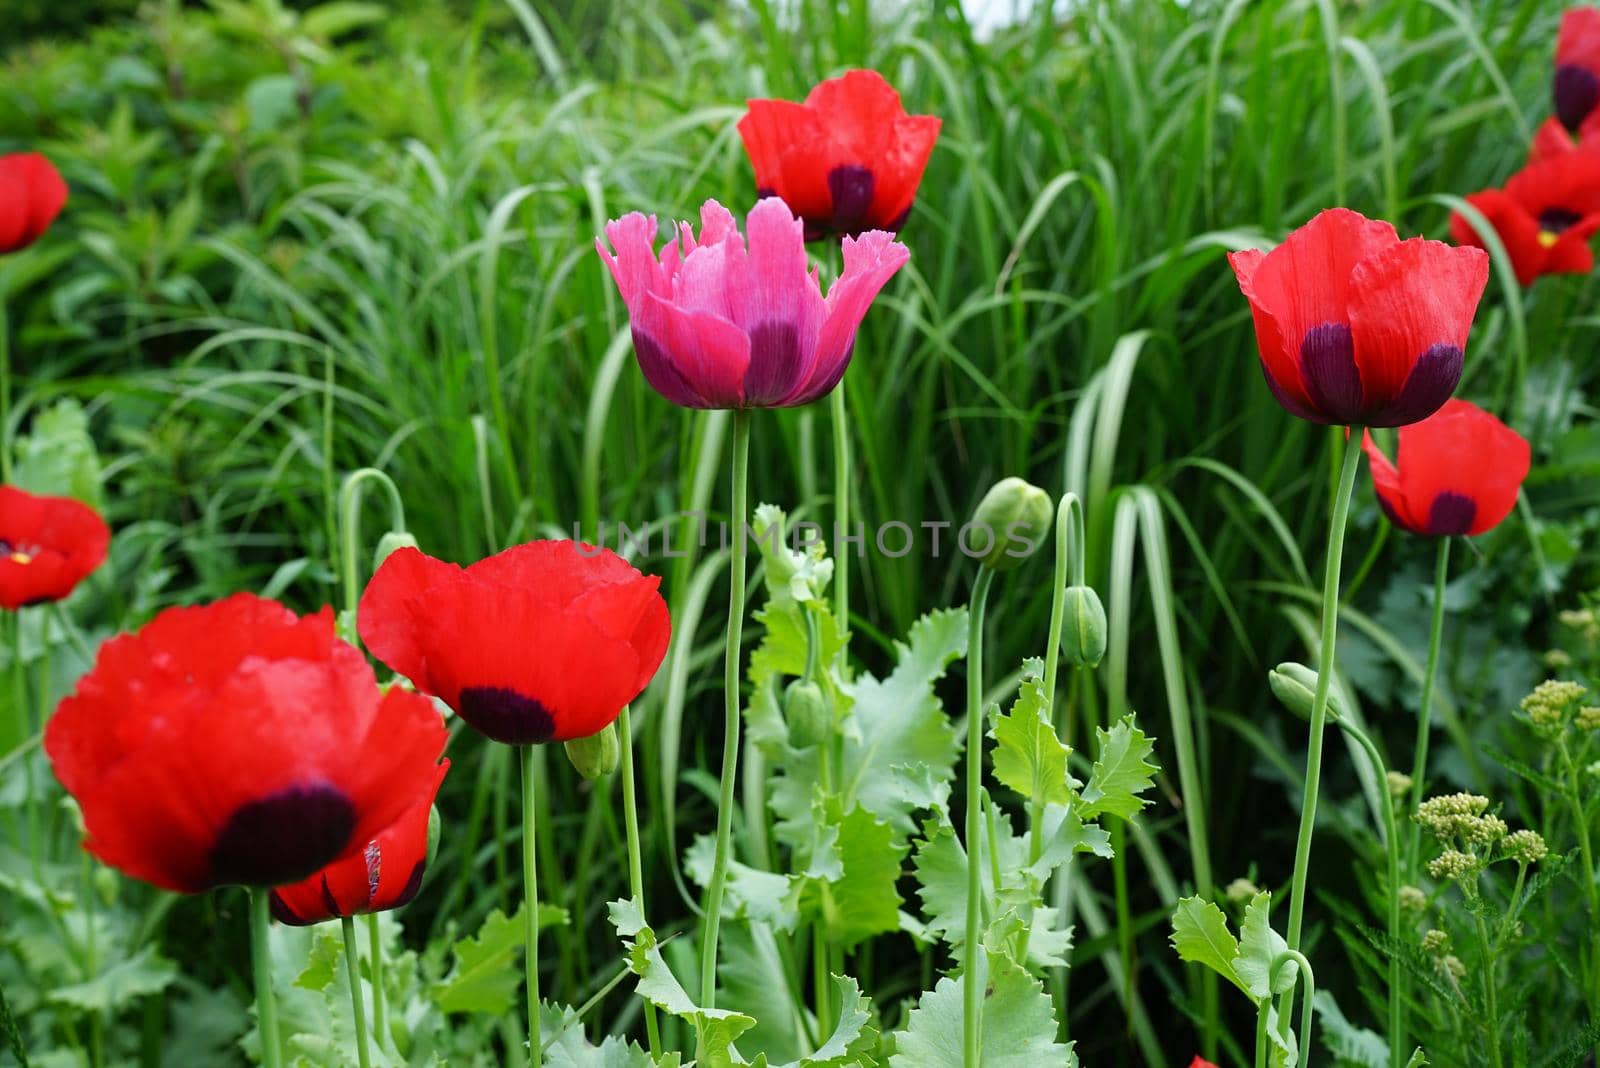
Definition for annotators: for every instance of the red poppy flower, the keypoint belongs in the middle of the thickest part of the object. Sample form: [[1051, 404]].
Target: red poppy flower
[[544, 642], [1355, 326], [32, 194], [1577, 81], [718, 326], [1544, 216], [238, 743], [1552, 139], [1200, 1062], [849, 159], [47, 546], [385, 875], [1456, 472]]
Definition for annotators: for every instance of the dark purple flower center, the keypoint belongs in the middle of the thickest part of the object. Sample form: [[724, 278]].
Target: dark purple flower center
[[1576, 91], [283, 837], [851, 187], [506, 715], [1555, 221], [1451, 513]]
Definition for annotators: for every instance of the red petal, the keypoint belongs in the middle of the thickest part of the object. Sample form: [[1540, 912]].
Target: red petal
[[1552, 139], [1518, 232], [1464, 450], [1386, 483], [770, 129], [65, 539], [1405, 301], [385, 618], [1578, 42], [32, 194]]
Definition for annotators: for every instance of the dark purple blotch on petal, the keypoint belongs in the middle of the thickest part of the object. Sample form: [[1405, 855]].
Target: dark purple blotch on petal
[[851, 187], [1451, 513], [1557, 220], [283, 837], [1433, 379], [413, 884], [776, 363], [1576, 91], [506, 715], [662, 374], [1328, 368]]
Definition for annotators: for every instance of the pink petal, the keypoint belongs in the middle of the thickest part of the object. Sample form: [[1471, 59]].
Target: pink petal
[[869, 262], [778, 303], [634, 267], [710, 353]]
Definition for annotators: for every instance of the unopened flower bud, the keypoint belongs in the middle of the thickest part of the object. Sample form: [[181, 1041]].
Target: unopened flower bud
[[1412, 899], [394, 539], [1083, 627], [433, 833], [1014, 516], [807, 713], [1525, 847], [1451, 864], [1436, 942], [1399, 783], [1295, 685], [1242, 891], [596, 755]]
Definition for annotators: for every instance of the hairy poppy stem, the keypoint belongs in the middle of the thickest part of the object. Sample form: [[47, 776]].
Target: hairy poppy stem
[[352, 971], [1319, 702], [972, 991], [380, 1026], [630, 820], [841, 511], [261, 964], [1419, 763], [730, 690], [530, 907]]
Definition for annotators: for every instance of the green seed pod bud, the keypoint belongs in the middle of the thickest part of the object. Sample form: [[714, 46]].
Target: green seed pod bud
[[1083, 627], [808, 714], [395, 539], [433, 833], [1009, 525], [1295, 685], [596, 755]]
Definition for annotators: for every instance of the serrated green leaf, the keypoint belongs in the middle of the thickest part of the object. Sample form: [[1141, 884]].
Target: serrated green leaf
[[1200, 935], [1121, 772], [57, 457], [143, 974], [566, 1046], [863, 901], [715, 1029], [1019, 1025], [750, 893], [325, 960], [1259, 947], [487, 970], [1028, 756], [1349, 1044]]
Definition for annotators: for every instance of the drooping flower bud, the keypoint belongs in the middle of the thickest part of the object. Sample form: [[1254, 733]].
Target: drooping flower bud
[[1012, 520], [1083, 627], [1295, 685], [596, 754], [806, 710], [434, 826], [394, 539]]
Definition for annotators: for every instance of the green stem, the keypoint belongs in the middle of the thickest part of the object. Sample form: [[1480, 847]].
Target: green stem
[[841, 511], [972, 991], [5, 393], [1486, 966], [819, 979], [1319, 704], [630, 821], [380, 1022], [730, 693], [351, 491], [1069, 556], [261, 963], [1391, 849], [530, 907], [352, 971], [1574, 798], [1419, 763]]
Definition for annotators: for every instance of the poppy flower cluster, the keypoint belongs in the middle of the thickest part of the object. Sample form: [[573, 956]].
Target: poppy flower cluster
[[1546, 213], [32, 194], [847, 160], [717, 324], [47, 546], [237, 743], [1354, 325], [544, 642]]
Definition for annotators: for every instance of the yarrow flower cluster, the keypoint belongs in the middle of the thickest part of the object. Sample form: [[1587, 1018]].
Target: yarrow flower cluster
[[1473, 838], [1549, 707]]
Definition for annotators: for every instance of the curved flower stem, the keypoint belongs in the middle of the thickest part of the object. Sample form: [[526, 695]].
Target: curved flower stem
[[841, 510], [630, 820], [261, 964], [730, 692], [1419, 763], [1391, 848], [972, 991], [380, 1023], [530, 906], [352, 971], [351, 491], [1069, 556], [1319, 703], [1296, 957]]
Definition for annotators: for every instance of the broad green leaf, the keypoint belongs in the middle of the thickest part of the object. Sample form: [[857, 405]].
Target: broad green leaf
[[940, 865], [715, 1029], [1350, 1045], [854, 1038], [1019, 1025], [488, 967], [761, 896], [325, 959], [1200, 935], [140, 975], [57, 457], [751, 979], [862, 901], [1028, 756], [1120, 772], [566, 1046], [1259, 947]]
